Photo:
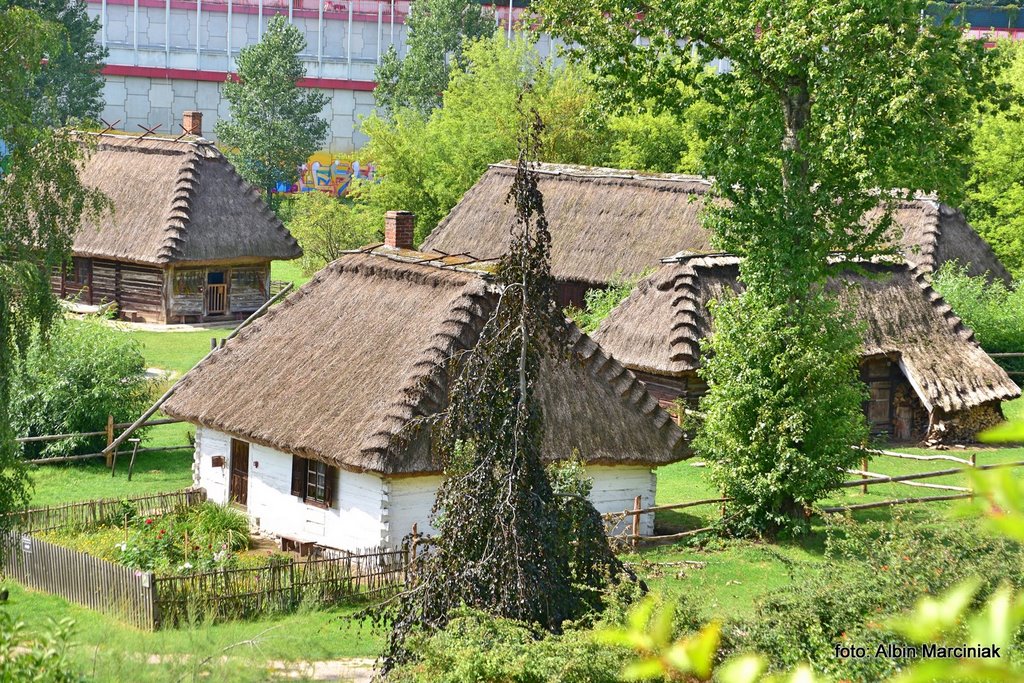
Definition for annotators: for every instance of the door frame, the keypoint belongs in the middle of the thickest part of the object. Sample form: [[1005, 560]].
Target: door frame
[[227, 292], [238, 482]]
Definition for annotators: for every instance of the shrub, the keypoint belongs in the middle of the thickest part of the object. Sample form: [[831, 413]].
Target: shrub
[[783, 407], [993, 311], [477, 647], [218, 524], [873, 571], [71, 381], [36, 657], [325, 226], [598, 303]]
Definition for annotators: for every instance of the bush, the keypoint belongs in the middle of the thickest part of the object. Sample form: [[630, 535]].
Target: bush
[[30, 657], [993, 311], [873, 571], [478, 647], [325, 226], [598, 303], [72, 381], [783, 407]]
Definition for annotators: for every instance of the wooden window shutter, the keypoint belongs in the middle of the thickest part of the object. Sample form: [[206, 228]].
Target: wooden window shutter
[[298, 476], [332, 476]]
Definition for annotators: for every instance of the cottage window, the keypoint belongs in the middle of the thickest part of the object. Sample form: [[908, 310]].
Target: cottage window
[[313, 481], [78, 273]]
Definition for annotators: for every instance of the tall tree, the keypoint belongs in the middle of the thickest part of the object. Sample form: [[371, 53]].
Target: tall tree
[[824, 109], [502, 545], [995, 200], [437, 31], [70, 88], [42, 203], [275, 125]]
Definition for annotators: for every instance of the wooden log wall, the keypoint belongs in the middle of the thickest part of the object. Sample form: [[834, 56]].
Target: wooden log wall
[[106, 280], [186, 287], [141, 290], [248, 289]]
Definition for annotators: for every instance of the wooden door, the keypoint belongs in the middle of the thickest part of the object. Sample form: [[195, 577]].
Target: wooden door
[[216, 293], [238, 485]]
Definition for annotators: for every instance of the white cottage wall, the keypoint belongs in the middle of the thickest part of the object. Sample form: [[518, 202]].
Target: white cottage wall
[[370, 510]]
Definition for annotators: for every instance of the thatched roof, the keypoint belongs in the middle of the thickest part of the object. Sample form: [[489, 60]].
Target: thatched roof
[[607, 222], [177, 202], [657, 329], [341, 370]]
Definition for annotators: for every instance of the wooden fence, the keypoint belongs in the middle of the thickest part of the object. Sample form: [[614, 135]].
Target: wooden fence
[[100, 585], [277, 587], [104, 511]]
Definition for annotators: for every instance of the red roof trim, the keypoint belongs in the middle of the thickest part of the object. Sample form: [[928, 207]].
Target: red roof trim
[[221, 76]]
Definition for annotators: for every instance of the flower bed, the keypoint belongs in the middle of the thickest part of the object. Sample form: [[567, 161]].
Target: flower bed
[[202, 538]]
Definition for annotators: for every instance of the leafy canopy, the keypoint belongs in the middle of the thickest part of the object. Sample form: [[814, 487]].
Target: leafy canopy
[[70, 87], [275, 125], [995, 199], [826, 111], [325, 226], [43, 205], [438, 30]]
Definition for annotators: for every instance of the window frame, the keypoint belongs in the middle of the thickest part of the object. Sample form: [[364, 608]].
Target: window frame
[[322, 493]]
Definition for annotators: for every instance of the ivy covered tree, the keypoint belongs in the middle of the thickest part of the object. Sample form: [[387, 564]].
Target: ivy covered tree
[[437, 29], [825, 108], [503, 545], [42, 202], [275, 125], [70, 88]]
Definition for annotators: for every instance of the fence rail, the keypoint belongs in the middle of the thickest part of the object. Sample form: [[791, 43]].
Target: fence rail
[[103, 511]]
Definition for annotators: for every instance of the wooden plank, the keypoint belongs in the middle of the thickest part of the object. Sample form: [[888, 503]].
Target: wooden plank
[[928, 475], [911, 456], [895, 501]]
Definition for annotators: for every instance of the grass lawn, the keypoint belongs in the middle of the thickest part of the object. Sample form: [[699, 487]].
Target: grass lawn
[[307, 635], [177, 351], [289, 271]]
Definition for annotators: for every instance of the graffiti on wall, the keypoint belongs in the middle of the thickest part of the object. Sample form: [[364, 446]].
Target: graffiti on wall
[[325, 172]]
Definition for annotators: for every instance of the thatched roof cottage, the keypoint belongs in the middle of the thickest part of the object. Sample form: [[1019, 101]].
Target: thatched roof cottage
[[608, 222], [307, 417], [921, 364], [188, 239]]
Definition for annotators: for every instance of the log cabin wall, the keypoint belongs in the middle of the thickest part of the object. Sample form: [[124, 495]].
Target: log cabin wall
[[892, 408], [140, 293]]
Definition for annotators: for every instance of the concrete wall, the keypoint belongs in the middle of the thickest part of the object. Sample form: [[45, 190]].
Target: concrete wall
[[166, 58]]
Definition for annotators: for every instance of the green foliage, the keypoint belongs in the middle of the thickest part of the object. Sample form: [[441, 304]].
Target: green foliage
[[994, 312], [995, 200], [203, 538], [274, 124], [478, 647], [71, 381], [437, 30], [42, 657], [325, 226], [70, 87], [43, 205], [501, 548], [821, 113], [425, 165], [784, 410], [599, 302]]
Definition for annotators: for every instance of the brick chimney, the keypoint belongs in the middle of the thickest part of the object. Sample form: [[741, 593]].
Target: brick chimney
[[398, 229], [192, 122]]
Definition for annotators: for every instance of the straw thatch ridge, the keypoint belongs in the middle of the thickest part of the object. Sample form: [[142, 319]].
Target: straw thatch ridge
[[659, 327], [609, 222], [346, 369], [176, 201]]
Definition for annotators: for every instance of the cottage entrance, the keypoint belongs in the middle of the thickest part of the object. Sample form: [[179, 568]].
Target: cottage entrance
[[216, 293], [238, 485]]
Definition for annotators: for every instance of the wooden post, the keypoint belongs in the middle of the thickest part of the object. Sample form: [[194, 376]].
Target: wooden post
[[415, 540], [637, 506], [110, 437], [864, 468], [135, 450]]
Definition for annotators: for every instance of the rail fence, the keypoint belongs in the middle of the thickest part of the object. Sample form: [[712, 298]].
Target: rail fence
[[629, 534]]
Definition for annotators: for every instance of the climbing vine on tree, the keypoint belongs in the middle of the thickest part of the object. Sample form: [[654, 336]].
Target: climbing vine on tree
[[502, 545]]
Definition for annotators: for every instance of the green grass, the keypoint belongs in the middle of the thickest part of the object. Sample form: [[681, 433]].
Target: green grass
[[177, 351], [307, 635], [1014, 410], [289, 271]]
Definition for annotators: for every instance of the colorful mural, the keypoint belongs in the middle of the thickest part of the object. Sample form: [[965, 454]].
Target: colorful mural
[[326, 172]]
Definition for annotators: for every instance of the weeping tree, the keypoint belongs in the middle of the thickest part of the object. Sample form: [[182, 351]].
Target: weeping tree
[[511, 543]]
